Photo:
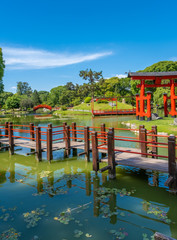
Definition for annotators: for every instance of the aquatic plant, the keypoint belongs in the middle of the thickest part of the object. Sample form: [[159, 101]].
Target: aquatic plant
[[66, 216], [10, 234], [122, 192], [33, 217], [120, 234], [44, 174], [7, 214], [156, 211], [77, 233], [48, 189], [145, 237]]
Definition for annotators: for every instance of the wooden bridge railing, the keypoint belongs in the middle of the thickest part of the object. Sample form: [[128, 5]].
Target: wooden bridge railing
[[95, 139]]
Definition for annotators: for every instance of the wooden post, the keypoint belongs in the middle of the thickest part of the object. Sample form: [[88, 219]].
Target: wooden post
[[74, 135], [6, 128], [87, 143], [11, 139], [160, 236], [32, 131], [38, 144], [171, 156], [111, 155], [49, 144], [143, 144], [95, 151], [103, 130], [154, 138], [67, 140]]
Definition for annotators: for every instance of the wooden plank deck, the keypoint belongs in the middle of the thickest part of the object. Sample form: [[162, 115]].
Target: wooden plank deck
[[126, 159]]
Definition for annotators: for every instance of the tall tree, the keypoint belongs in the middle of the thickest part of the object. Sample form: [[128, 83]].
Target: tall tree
[[23, 88], [35, 98], [92, 77], [2, 66]]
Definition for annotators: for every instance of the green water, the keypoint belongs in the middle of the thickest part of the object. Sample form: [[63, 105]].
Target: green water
[[67, 200]]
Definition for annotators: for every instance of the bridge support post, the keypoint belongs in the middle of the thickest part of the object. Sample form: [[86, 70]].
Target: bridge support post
[[111, 155], [32, 131], [38, 144], [95, 152], [172, 168], [11, 139], [87, 144], [103, 130], [67, 140], [143, 144], [6, 128], [154, 139], [49, 144], [74, 135]]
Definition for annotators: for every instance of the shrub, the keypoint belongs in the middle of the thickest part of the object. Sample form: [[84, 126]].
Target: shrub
[[87, 99], [102, 101], [63, 108]]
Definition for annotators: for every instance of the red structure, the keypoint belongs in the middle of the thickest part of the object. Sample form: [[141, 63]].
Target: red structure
[[111, 112], [155, 79], [42, 106]]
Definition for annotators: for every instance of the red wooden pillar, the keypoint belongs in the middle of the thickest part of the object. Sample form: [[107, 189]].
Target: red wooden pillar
[[173, 106], [142, 91], [165, 105], [148, 106], [137, 106]]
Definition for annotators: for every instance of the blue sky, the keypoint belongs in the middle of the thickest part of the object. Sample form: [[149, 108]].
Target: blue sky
[[47, 42]]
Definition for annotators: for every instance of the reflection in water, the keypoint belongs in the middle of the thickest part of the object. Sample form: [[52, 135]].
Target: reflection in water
[[80, 203], [128, 203]]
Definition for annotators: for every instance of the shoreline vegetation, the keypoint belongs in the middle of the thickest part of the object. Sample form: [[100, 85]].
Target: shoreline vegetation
[[165, 125], [85, 109]]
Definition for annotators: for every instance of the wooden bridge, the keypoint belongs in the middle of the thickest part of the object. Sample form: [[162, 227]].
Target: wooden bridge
[[103, 140]]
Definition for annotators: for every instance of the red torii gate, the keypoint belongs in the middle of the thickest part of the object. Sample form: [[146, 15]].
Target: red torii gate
[[156, 78]]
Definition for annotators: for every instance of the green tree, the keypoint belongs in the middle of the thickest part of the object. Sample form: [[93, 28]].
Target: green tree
[[92, 77], [2, 66], [13, 102], [26, 102], [3, 98], [35, 98], [23, 88], [43, 95]]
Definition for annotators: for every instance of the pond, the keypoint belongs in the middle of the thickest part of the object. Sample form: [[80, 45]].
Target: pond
[[67, 200]]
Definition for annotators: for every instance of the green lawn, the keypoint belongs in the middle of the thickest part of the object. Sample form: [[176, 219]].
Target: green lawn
[[103, 106], [163, 125]]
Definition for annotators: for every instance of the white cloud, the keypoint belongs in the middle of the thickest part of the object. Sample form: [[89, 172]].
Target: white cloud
[[21, 58], [13, 89], [121, 75], [173, 59]]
